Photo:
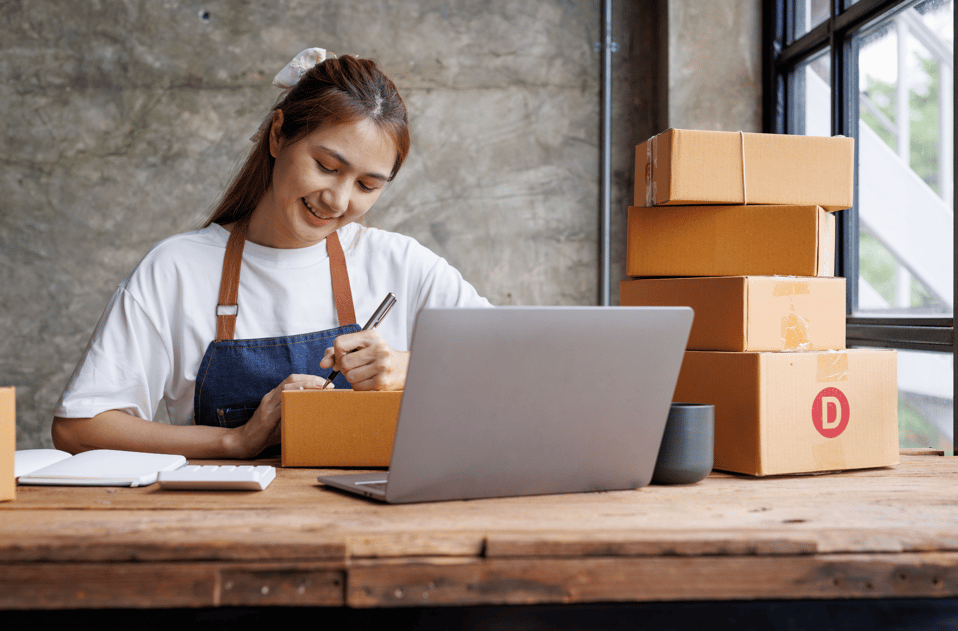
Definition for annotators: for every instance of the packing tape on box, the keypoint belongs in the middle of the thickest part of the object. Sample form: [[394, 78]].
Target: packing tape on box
[[832, 366], [829, 456], [791, 288], [795, 333], [652, 159], [795, 328]]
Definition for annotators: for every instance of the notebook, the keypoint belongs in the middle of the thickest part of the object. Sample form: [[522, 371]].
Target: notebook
[[530, 400], [99, 467]]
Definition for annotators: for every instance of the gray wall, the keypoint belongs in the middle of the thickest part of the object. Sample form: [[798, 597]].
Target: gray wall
[[123, 121], [715, 65]]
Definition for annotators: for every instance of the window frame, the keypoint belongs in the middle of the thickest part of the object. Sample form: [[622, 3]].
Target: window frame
[[780, 57]]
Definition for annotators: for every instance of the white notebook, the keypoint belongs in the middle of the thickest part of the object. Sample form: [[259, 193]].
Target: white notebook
[[100, 467]]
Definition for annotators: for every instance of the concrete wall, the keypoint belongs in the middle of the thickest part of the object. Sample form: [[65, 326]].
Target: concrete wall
[[715, 65], [123, 120]]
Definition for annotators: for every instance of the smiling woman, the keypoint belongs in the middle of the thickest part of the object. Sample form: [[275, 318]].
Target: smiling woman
[[218, 347], [321, 182]]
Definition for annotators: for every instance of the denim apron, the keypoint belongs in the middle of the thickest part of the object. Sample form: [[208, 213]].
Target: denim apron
[[235, 374]]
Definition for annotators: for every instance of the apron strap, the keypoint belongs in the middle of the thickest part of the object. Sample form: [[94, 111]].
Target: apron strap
[[342, 294], [229, 281], [227, 308]]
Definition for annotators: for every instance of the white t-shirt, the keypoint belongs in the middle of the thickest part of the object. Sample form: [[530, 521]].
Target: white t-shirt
[[153, 334]]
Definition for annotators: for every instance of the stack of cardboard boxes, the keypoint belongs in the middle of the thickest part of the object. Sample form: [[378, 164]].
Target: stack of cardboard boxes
[[740, 227]]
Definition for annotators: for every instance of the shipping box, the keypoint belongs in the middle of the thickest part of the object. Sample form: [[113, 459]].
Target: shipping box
[[683, 167], [338, 428], [751, 313], [782, 413], [8, 443], [730, 241]]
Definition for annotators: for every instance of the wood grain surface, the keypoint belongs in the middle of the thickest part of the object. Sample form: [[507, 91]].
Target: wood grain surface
[[876, 533]]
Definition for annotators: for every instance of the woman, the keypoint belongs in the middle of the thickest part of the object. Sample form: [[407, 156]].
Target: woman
[[217, 322]]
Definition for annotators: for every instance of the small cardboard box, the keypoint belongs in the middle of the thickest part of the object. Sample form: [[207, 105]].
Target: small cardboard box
[[781, 413], [684, 167], [8, 443], [730, 241], [338, 428], [751, 313]]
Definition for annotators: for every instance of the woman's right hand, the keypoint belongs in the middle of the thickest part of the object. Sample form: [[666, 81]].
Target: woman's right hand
[[263, 428]]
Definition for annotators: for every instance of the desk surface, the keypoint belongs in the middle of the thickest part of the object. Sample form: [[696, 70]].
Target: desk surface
[[889, 532]]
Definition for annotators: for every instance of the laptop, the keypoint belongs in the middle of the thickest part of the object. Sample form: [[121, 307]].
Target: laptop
[[529, 401]]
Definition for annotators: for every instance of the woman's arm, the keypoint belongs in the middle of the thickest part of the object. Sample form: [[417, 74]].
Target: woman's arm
[[118, 430], [114, 429]]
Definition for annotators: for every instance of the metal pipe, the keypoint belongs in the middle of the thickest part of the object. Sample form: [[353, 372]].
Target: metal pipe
[[605, 155]]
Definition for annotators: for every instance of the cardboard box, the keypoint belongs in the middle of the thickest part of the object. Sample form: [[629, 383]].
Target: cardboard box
[[730, 241], [8, 443], [778, 413], [751, 313], [683, 167], [338, 428]]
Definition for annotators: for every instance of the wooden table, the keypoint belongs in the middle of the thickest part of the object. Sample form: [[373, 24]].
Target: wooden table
[[881, 533]]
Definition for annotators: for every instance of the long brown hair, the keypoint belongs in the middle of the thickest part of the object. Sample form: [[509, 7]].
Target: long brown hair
[[335, 91]]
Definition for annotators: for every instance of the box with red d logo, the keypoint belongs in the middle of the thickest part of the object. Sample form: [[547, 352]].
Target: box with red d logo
[[782, 413]]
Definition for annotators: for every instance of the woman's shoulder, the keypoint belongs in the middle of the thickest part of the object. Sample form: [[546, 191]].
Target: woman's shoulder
[[212, 238], [398, 255], [181, 255], [384, 243]]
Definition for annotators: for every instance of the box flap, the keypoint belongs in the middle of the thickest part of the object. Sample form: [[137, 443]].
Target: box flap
[[826, 245], [811, 163], [706, 166]]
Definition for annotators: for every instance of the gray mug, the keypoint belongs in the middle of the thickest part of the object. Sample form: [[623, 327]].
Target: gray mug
[[686, 453]]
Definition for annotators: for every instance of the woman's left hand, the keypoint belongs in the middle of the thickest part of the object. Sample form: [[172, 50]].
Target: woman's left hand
[[367, 361]]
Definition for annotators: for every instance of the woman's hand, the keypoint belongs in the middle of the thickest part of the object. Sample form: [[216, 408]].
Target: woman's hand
[[115, 429], [263, 428], [367, 361]]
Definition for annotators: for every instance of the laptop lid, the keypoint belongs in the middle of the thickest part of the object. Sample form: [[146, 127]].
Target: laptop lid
[[535, 400]]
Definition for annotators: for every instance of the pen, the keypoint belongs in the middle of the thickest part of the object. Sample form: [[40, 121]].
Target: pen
[[373, 322]]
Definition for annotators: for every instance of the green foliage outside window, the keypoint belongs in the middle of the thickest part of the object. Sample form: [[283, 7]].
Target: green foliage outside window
[[876, 264], [923, 115]]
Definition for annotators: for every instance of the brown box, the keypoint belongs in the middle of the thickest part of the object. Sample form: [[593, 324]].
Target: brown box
[[730, 241], [684, 167], [8, 443], [751, 313], [338, 428], [778, 413]]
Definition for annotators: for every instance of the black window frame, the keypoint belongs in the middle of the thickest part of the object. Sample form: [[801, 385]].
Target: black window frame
[[780, 57]]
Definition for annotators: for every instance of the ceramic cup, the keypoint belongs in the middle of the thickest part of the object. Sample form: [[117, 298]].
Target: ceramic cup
[[685, 456]]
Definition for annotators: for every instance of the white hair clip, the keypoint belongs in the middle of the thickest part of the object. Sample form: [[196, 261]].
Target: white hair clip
[[289, 76]]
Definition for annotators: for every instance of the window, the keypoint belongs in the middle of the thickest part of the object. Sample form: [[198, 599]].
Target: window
[[882, 71]]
